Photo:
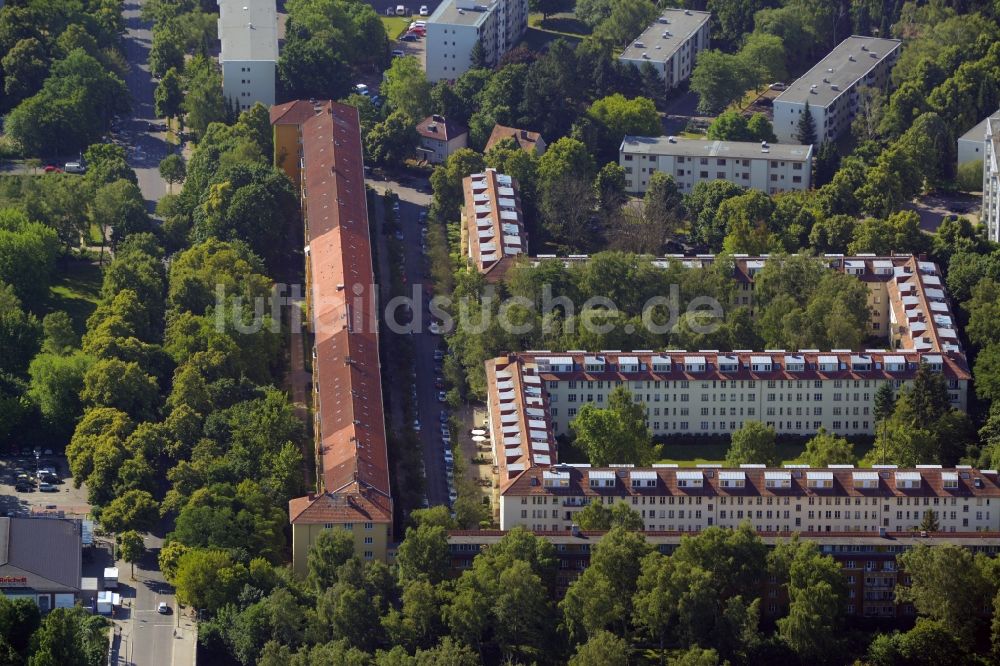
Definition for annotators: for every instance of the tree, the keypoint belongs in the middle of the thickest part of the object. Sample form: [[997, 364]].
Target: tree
[[423, 554], [753, 443], [168, 97], [816, 594], [900, 232], [329, 551], [60, 338], [69, 637], [134, 511], [596, 516], [56, 382], [628, 18], [477, 56], [172, 169], [806, 129], [24, 67], [949, 585], [406, 89], [695, 656], [719, 79], [204, 103], [602, 649], [311, 69], [609, 187], [124, 386], [619, 116], [165, 53], [392, 140], [131, 548], [28, 252], [617, 434], [929, 523], [208, 579], [663, 203], [824, 449]]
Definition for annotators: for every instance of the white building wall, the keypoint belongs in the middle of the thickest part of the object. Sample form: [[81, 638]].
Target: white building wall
[[247, 82], [990, 214], [970, 150], [688, 171], [677, 69], [449, 45], [765, 514]]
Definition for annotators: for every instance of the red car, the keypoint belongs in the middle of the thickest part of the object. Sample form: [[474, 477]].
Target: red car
[[51, 168]]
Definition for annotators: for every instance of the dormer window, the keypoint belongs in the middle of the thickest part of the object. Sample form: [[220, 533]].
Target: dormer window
[[909, 480], [732, 479]]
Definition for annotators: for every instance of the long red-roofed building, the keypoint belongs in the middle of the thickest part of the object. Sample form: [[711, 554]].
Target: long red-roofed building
[[319, 145]]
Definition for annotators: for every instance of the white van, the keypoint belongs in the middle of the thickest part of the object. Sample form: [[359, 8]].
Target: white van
[[400, 10], [74, 167]]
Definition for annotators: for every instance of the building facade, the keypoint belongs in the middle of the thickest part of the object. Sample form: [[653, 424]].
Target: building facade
[[493, 234], [671, 44], [41, 559], [457, 25], [990, 215], [770, 168], [869, 562], [788, 499], [248, 30], [831, 87], [321, 143], [439, 138], [972, 145]]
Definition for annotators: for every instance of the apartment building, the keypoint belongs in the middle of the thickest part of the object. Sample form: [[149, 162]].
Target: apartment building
[[869, 562], [990, 215], [831, 87], [440, 137], [972, 144], [493, 234], [455, 27], [788, 499], [248, 30], [324, 140], [770, 168], [671, 44]]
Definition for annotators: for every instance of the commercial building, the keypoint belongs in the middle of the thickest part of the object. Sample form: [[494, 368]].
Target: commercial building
[[972, 144], [831, 87], [990, 215], [528, 141], [440, 137], [869, 562], [770, 168], [455, 27], [671, 44], [493, 235], [41, 559], [533, 396], [324, 140], [248, 30]]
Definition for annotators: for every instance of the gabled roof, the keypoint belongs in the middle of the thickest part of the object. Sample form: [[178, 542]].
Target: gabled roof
[[526, 139], [439, 127], [363, 506], [45, 551]]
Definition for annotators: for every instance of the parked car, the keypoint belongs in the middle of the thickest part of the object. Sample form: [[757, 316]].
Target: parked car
[[361, 89], [442, 396], [399, 236], [438, 355], [438, 383], [51, 168], [400, 10], [416, 425], [74, 167], [423, 10], [162, 608], [408, 37], [397, 53], [778, 85], [23, 487], [47, 488], [435, 328]]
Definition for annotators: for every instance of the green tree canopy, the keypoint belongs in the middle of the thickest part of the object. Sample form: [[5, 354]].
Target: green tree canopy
[[616, 434]]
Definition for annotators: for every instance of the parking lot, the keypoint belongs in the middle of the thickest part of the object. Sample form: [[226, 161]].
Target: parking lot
[[21, 494]]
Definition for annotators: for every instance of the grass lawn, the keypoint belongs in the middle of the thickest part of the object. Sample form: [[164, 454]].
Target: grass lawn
[[94, 234], [76, 291], [688, 451], [563, 23], [748, 99], [395, 26]]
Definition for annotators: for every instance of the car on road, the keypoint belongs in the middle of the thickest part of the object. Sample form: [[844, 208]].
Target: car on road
[[435, 328], [47, 488], [399, 235], [74, 167], [442, 396], [448, 455], [452, 496], [416, 425], [422, 217], [438, 383], [438, 354], [777, 85], [51, 168], [163, 608], [408, 37], [423, 10], [24, 487], [396, 53], [361, 89]]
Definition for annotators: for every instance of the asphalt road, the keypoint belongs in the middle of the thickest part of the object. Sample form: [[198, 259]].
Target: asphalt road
[[411, 202], [145, 149]]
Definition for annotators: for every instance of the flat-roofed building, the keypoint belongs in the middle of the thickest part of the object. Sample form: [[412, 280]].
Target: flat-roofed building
[[493, 232], [831, 87], [814, 500], [248, 30], [771, 168], [455, 27], [41, 559], [972, 144], [671, 44], [349, 421], [990, 215]]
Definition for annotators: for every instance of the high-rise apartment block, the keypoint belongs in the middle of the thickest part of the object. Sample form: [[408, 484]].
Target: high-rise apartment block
[[671, 44], [457, 25], [248, 30]]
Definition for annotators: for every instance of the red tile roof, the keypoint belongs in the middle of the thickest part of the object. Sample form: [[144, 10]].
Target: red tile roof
[[346, 370], [526, 139], [439, 127]]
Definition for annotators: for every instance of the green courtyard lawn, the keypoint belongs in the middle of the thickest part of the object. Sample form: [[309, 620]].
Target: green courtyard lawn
[[691, 450], [395, 26], [76, 291]]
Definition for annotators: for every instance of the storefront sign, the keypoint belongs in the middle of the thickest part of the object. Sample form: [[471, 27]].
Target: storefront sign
[[13, 580]]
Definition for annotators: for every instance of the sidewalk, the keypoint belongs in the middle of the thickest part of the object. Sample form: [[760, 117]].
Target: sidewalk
[[186, 642]]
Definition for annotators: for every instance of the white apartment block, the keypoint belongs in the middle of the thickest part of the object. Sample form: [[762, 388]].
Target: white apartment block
[[455, 27], [990, 215], [972, 144], [831, 87], [671, 44], [788, 499], [770, 168], [248, 30], [533, 396]]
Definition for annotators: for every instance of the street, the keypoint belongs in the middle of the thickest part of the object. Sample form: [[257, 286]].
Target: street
[[145, 150], [411, 202]]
